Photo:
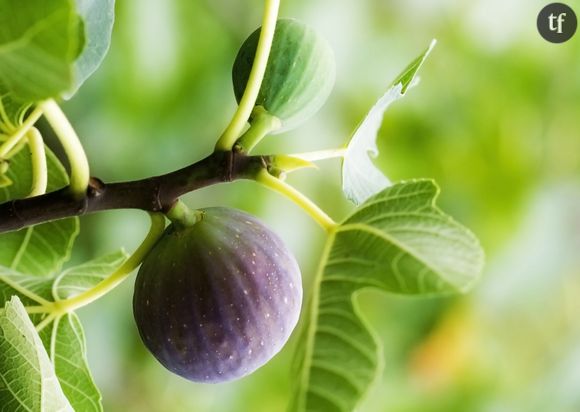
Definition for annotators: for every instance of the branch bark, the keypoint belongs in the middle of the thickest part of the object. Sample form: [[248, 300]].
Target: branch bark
[[154, 194]]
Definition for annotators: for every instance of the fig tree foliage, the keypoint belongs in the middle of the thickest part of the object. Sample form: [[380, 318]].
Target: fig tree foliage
[[218, 294]]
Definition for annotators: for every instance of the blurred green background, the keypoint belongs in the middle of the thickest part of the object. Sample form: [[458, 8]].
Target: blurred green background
[[495, 121]]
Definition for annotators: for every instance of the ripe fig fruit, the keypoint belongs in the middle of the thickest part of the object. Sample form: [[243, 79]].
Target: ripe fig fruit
[[299, 76], [216, 300]]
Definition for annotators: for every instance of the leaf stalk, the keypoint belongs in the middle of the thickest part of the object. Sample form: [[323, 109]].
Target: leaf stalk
[[315, 212]]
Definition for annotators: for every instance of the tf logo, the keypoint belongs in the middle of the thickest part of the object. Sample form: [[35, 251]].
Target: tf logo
[[557, 23]]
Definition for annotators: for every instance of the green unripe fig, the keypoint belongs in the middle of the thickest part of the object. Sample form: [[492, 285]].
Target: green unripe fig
[[216, 300], [299, 76]]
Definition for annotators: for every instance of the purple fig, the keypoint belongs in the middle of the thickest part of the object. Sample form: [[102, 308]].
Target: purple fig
[[216, 300]]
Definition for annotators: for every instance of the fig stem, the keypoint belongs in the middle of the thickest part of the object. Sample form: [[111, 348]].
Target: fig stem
[[248, 100], [321, 154], [263, 123], [277, 185], [39, 167], [15, 149], [20, 133], [284, 164], [24, 291], [118, 276], [79, 165], [45, 322], [32, 310], [181, 215]]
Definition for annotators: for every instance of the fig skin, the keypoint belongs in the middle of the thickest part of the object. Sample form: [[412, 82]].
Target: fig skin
[[215, 301]]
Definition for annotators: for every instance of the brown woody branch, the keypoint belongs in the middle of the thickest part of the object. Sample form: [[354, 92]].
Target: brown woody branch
[[154, 194]]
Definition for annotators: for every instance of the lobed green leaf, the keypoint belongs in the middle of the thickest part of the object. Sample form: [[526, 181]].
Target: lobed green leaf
[[27, 378], [64, 285], [64, 338], [48, 48], [98, 17], [39, 42], [40, 249], [398, 241], [65, 341]]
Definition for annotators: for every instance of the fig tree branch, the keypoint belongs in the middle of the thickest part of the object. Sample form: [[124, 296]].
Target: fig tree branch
[[153, 194]]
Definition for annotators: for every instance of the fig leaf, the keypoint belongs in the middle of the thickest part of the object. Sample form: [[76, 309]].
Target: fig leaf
[[398, 241], [41, 249], [360, 177], [98, 17], [27, 375], [39, 43], [63, 338]]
